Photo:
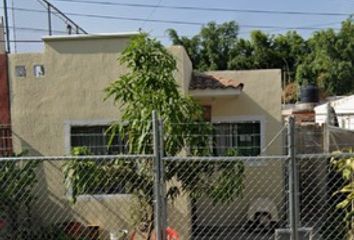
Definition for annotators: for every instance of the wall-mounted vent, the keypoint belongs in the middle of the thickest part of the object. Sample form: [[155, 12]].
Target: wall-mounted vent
[[38, 70], [20, 71]]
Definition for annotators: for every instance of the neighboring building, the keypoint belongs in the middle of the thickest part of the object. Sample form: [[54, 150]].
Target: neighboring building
[[343, 109], [57, 101], [5, 130]]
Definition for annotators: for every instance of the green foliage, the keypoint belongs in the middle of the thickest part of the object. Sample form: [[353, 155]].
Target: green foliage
[[345, 166], [150, 85], [229, 180], [265, 51], [326, 58], [211, 48], [86, 176], [330, 63], [17, 180]]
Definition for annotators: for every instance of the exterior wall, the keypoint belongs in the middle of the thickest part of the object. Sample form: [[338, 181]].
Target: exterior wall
[[4, 92], [76, 73], [4, 87], [5, 128], [71, 89], [77, 70], [260, 100], [343, 107], [184, 65]]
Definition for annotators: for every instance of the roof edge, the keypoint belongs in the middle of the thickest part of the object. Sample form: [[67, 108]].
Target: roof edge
[[88, 36]]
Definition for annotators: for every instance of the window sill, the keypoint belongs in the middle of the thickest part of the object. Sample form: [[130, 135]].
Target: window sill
[[95, 197]]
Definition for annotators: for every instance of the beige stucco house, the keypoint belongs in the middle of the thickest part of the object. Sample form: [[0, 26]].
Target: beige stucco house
[[57, 96]]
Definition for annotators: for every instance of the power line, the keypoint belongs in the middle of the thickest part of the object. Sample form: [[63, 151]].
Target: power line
[[56, 31], [60, 14], [168, 21], [209, 9], [23, 41], [152, 12], [32, 29]]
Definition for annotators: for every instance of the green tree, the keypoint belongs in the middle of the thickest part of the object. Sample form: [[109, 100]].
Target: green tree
[[150, 85], [264, 54], [211, 48], [345, 167], [330, 64], [265, 51], [17, 180], [290, 50], [325, 59], [242, 56]]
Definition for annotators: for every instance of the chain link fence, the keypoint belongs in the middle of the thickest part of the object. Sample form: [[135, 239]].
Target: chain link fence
[[84, 197], [318, 183], [222, 195], [231, 198]]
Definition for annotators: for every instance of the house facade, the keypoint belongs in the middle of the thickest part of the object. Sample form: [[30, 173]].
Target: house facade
[[62, 88], [57, 102]]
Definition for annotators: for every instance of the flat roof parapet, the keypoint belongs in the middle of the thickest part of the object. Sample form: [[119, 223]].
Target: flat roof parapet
[[88, 36]]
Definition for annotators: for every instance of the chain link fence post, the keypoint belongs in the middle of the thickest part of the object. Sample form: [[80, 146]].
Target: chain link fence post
[[162, 182], [293, 182], [160, 208]]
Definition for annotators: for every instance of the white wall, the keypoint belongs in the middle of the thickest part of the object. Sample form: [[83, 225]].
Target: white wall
[[344, 109]]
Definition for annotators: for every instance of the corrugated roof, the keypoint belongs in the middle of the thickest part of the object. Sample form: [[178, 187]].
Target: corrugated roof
[[207, 81]]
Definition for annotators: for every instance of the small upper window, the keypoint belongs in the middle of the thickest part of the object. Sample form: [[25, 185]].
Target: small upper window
[[38, 70], [20, 71]]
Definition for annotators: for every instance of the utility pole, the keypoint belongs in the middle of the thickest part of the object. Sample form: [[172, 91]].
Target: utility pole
[[7, 27]]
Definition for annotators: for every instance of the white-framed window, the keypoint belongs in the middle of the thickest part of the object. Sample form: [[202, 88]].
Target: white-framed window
[[94, 136], [245, 133], [244, 137]]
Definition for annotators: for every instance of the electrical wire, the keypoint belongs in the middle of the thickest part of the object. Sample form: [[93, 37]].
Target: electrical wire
[[209, 9], [23, 41], [32, 29], [151, 13], [167, 21]]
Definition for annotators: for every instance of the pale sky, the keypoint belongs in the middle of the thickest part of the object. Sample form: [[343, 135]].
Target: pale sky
[[38, 20]]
